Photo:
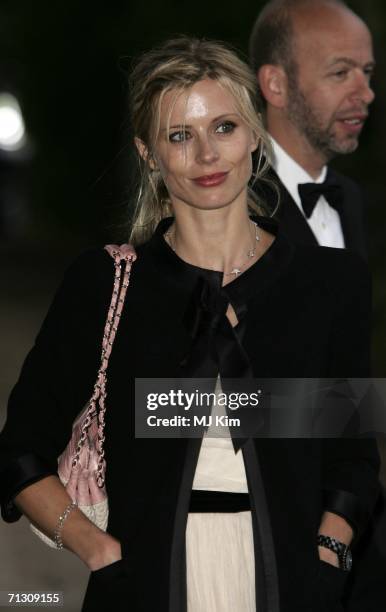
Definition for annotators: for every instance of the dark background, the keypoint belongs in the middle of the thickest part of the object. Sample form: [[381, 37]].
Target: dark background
[[67, 62]]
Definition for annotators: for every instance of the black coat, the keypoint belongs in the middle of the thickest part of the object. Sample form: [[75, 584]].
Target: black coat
[[291, 481], [366, 587]]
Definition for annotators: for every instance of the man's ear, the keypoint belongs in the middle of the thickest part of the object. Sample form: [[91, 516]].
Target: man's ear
[[273, 84], [144, 153]]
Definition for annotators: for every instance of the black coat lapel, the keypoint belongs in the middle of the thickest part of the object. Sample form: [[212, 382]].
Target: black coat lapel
[[351, 214], [292, 222]]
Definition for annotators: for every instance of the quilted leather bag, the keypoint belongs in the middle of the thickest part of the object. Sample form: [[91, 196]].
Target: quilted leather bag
[[82, 466]]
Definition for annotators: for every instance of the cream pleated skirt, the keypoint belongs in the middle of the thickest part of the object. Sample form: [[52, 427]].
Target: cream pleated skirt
[[220, 562]]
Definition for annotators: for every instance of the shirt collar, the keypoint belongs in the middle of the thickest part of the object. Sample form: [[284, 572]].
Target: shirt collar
[[291, 173]]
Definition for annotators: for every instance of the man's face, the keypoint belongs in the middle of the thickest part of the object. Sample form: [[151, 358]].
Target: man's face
[[329, 88]]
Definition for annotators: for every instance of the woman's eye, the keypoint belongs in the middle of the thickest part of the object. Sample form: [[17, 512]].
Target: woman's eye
[[226, 127], [179, 136]]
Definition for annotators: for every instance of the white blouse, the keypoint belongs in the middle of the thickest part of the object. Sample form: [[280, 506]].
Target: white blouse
[[219, 468]]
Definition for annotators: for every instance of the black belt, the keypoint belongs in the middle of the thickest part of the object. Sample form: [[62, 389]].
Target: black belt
[[218, 501]]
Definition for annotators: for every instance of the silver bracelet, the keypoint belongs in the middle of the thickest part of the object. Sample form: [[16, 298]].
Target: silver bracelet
[[59, 526]]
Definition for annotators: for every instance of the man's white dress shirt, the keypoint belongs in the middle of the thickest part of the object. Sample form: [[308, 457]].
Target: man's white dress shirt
[[324, 221]]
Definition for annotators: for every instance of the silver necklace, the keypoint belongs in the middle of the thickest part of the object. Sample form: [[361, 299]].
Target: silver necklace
[[237, 269]]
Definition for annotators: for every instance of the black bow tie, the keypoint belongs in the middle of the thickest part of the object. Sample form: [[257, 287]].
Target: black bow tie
[[311, 192]]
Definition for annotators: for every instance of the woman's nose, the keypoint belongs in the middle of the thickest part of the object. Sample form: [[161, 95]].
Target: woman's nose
[[207, 151]]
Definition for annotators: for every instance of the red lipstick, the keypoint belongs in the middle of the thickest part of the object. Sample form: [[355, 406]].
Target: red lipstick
[[211, 180]]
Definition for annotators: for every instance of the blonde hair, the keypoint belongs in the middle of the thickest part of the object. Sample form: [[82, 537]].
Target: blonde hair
[[177, 65]]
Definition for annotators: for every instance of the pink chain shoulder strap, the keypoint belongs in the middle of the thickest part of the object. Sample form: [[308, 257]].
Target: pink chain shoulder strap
[[123, 256]]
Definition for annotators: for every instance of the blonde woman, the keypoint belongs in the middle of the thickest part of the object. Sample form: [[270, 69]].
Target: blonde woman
[[203, 524]]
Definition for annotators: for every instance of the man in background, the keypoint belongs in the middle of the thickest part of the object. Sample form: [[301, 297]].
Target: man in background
[[314, 60]]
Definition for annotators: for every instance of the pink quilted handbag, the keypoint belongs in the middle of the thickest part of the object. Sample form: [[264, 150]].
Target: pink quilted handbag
[[82, 466]]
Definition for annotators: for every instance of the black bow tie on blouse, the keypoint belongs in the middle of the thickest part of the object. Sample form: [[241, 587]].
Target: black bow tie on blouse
[[215, 345], [311, 192], [216, 349]]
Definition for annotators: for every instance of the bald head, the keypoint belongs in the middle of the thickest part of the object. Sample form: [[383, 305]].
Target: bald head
[[322, 22], [283, 23]]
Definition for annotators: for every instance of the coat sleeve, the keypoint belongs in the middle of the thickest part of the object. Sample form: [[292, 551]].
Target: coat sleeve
[[56, 379], [351, 465]]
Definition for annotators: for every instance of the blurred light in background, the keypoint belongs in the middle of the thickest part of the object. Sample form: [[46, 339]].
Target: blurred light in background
[[12, 127]]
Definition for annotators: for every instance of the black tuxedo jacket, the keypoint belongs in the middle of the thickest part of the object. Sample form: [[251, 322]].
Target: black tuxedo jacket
[[294, 225]]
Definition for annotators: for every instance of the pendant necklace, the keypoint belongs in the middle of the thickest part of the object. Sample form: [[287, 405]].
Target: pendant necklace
[[237, 269]]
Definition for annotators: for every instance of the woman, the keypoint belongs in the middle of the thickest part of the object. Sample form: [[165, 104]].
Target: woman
[[214, 292]]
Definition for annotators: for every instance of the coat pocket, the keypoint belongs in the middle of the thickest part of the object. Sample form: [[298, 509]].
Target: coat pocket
[[108, 587], [330, 583], [109, 572]]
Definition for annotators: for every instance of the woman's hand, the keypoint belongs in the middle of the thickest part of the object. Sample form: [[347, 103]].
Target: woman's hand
[[328, 556], [110, 551], [336, 527], [44, 501]]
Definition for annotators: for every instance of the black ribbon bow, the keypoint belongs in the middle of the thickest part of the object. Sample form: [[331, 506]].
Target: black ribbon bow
[[311, 192], [216, 348]]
